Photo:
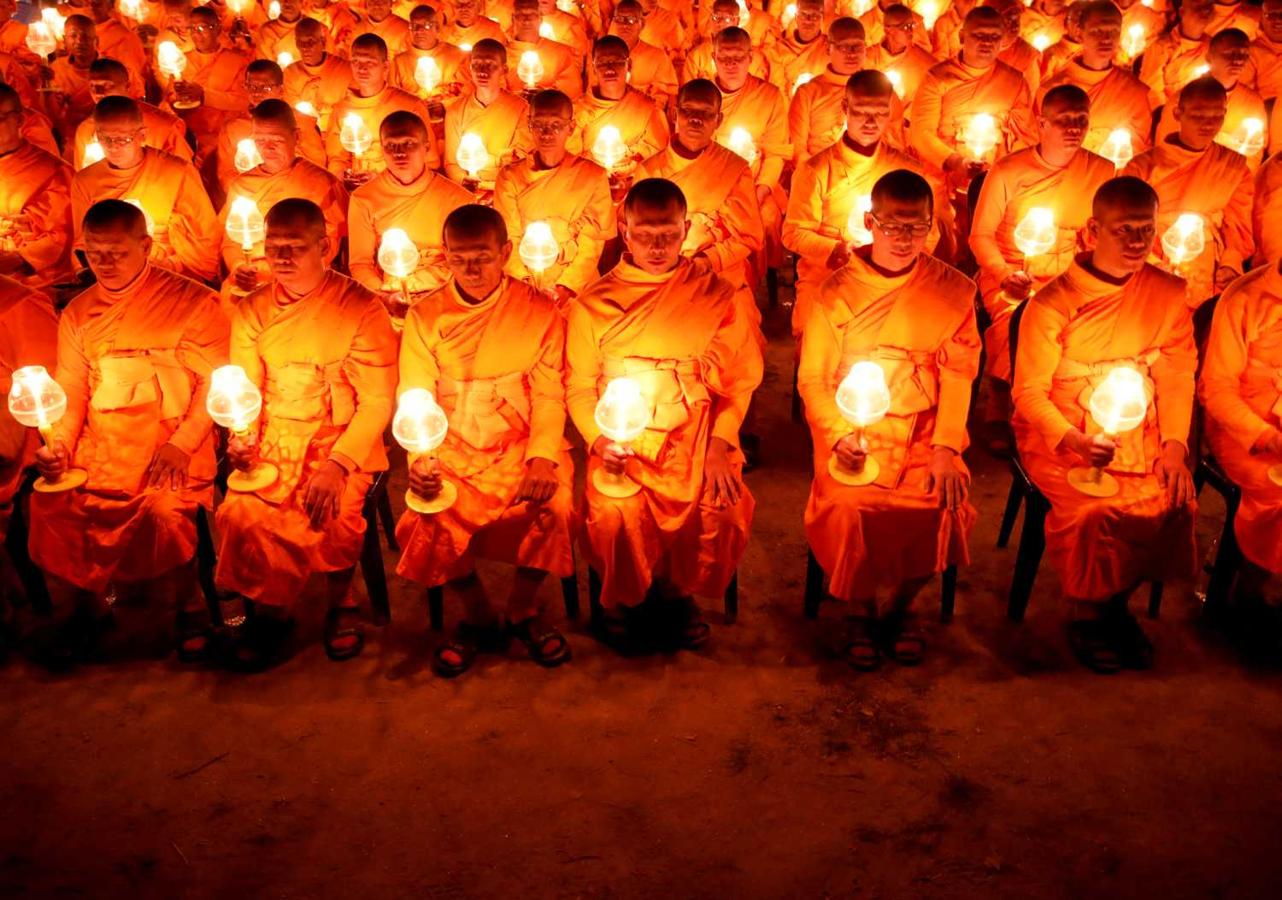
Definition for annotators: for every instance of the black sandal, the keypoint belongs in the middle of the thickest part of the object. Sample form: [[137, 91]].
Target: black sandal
[[257, 644], [344, 639], [465, 644], [193, 636], [905, 639], [695, 632], [1095, 645], [546, 645], [861, 651]]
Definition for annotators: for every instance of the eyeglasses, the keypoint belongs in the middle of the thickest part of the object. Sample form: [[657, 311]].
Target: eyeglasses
[[627, 20], [117, 140], [549, 128], [903, 229], [403, 146]]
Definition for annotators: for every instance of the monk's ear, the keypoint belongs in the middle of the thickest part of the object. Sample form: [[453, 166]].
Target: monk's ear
[[1175, 111], [146, 243], [505, 252], [685, 230], [324, 246], [1092, 232]]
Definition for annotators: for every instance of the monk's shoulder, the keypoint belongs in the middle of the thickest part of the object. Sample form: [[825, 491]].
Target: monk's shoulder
[[181, 290], [732, 162], [1142, 164], [1152, 278], [955, 289], [583, 168], [35, 159], [1231, 161], [1009, 75], [14, 295], [1098, 168], [1248, 285]]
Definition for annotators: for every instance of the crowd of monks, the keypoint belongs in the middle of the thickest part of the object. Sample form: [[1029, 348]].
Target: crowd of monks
[[541, 226]]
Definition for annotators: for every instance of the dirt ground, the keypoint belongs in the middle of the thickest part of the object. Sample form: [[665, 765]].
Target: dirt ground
[[761, 767]]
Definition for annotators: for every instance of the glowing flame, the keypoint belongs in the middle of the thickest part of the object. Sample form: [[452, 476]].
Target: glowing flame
[[273, 9], [419, 425], [896, 81], [530, 69], [1120, 403], [284, 59], [1134, 40], [54, 21], [146, 216], [305, 108], [234, 402], [929, 12], [137, 10], [546, 32], [863, 398], [466, 48], [354, 135], [1036, 233], [622, 413], [472, 156], [1041, 41], [170, 59], [538, 248], [858, 8], [744, 14], [1117, 147], [741, 143], [41, 40], [245, 223], [397, 255], [608, 149], [1247, 138], [980, 135], [859, 235], [1185, 239], [789, 15], [247, 155], [93, 153], [803, 78], [427, 73], [1200, 71], [35, 399]]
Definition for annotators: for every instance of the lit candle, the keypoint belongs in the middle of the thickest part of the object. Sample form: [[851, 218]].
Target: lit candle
[[137, 10], [740, 142], [567, 6], [608, 149], [929, 12], [1117, 148], [858, 8], [1041, 41], [863, 399], [305, 108], [530, 69], [55, 22], [284, 59], [471, 155], [273, 9], [247, 155], [398, 257], [1200, 71], [93, 153], [1247, 138], [173, 62], [1118, 405], [1036, 233], [744, 14], [1185, 240], [856, 231], [37, 401], [420, 427], [40, 39], [980, 135], [789, 15], [466, 48], [896, 81], [622, 414], [234, 402], [245, 224], [427, 74], [546, 32], [538, 250], [803, 78], [355, 138], [1134, 40]]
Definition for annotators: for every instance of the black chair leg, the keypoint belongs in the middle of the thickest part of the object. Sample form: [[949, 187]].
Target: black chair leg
[[570, 594], [436, 607], [388, 518], [732, 599], [1155, 600], [1032, 544], [772, 287], [814, 586], [206, 563], [947, 594], [595, 612], [16, 542], [1228, 560], [373, 571], [1014, 500]]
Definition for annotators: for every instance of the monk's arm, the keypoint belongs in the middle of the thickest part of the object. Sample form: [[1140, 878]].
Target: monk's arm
[[1173, 380], [72, 372], [596, 226], [737, 352], [80, 203], [582, 373], [228, 94], [361, 244], [418, 364], [504, 203], [799, 126], [243, 349], [48, 212], [775, 146], [547, 393], [1035, 364], [923, 132], [994, 197], [203, 347], [958, 361], [656, 134], [805, 217], [1267, 211], [1226, 359], [1022, 126], [196, 216], [370, 368], [817, 377], [1239, 244], [741, 215]]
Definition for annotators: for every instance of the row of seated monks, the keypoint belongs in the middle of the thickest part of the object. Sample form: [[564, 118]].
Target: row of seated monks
[[514, 208]]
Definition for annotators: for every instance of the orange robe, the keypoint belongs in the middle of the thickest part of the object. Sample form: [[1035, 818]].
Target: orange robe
[[1214, 183], [1244, 104], [165, 131], [120, 42], [503, 128], [911, 67], [420, 209], [790, 59], [28, 337], [1073, 333], [1238, 15], [574, 200], [760, 109], [222, 75], [372, 111], [1266, 211], [35, 212], [684, 336], [38, 131], [181, 218], [456, 74], [309, 147], [495, 367], [72, 103], [699, 63], [394, 31], [135, 365], [722, 208], [953, 93], [664, 29], [1241, 391], [1264, 72], [642, 125], [815, 117], [1171, 62], [1016, 184], [1057, 56], [562, 68], [465, 37], [1153, 20], [652, 74], [277, 37], [1023, 58], [571, 30], [326, 366], [322, 86], [1118, 100], [920, 328]]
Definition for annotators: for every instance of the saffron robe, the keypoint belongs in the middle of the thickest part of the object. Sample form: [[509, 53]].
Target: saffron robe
[[643, 128], [35, 212], [562, 68], [1264, 72], [372, 111], [1118, 100], [503, 127], [1244, 104], [309, 146], [1266, 211], [1171, 62], [456, 74], [789, 59], [953, 93], [222, 75], [910, 67], [28, 337], [465, 36], [321, 86]]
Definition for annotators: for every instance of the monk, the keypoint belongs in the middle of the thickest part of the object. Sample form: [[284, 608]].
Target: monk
[[651, 69], [560, 67], [801, 49], [1110, 309], [1235, 14], [452, 74], [716, 184], [165, 131], [321, 349], [679, 331], [1242, 396], [277, 35], [317, 77], [1178, 56], [613, 103], [491, 349], [1193, 174], [468, 27], [1118, 99], [1056, 56], [178, 212], [1266, 211], [699, 61], [663, 28], [282, 174], [35, 203], [568, 28], [569, 193], [912, 316], [1057, 175], [905, 61], [135, 352], [1265, 70], [368, 101], [492, 113], [214, 80], [815, 118], [959, 90], [117, 40], [13, 33], [380, 20], [830, 185], [70, 101], [410, 196]]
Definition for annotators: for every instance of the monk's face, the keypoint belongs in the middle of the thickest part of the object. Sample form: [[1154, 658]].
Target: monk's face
[[378, 10], [654, 237], [476, 260], [405, 151], [262, 86], [10, 124], [121, 140], [899, 230], [899, 31], [423, 31], [296, 254], [369, 70], [627, 24], [466, 12], [1200, 120], [981, 42], [489, 69], [291, 10], [1271, 20], [866, 117], [106, 86], [846, 52], [611, 68], [1011, 13], [205, 33], [698, 119], [101, 9], [116, 254], [1101, 34], [81, 43], [311, 45], [551, 129], [276, 143], [1064, 127], [1227, 59], [809, 21], [1195, 15], [732, 60], [1123, 236], [724, 15], [526, 20]]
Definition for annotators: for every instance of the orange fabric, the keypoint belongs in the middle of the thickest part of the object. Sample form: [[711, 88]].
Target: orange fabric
[[38, 131], [71, 102], [920, 328], [326, 366], [1023, 58], [394, 31], [1235, 15], [276, 37], [562, 68], [1073, 332], [1171, 62], [1241, 390], [456, 74], [790, 59], [184, 226], [482, 28], [503, 127], [912, 66], [309, 146], [664, 29], [1057, 56], [165, 131], [28, 337], [135, 364], [322, 86], [642, 125], [420, 208], [652, 73], [760, 109], [574, 200], [1216, 184], [35, 212], [1016, 184], [953, 92], [699, 63], [1264, 72], [815, 118], [222, 76], [1035, 23], [495, 367], [1118, 100], [1266, 211], [569, 29], [372, 111], [684, 335], [17, 77], [1244, 104], [118, 41]]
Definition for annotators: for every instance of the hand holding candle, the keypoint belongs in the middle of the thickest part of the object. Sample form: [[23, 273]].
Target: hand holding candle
[[247, 156], [37, 401], [41, 40], [399, 258], [246, 227], [420, 427], [1118, 405], [622, 414], [1185, 240], [472, 157], [856, 231], [1117, 148], [355, 137], [538, 250], [863, 399], [1036, 234], [234, 402], [530, 69], [740, 143], [173, 62], [979, 136]]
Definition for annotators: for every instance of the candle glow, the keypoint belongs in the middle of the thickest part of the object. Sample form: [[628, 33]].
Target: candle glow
[[427, 74], [530, 69], [247, 155], [471, 155], [740, 142], [1117, 147], [608, 149], [420, 426], [1185, 240], [353, 134], [245, 224], [980, 135], [856, 230], [538, 248]]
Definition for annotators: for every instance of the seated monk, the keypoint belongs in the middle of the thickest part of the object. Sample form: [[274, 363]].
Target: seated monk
[[35, 203], [815, 117], [1242, 395], [491, 350], [1264, 73], [1193, 174], [410, 196], [832, 184], [317, 77], [1266, 211], [1235, 14], [684, 336], [165, 131], [699, 61], [280, 175], [664, 28], [905, 61], [560, 66], [380, 20], [801, 50], [214, 80], [278, 35], [1110, 309], [913, 520], [569, 28], [180, 217], [1069, 46], [1057, 175], [1179, 55], [716, 185], [468, 27], [492, 113], [570, 193], [452, 74], [370, 99], [1016, 52], [321, 349], [116, 39], [650, 68], [135, 352], [69, 100]]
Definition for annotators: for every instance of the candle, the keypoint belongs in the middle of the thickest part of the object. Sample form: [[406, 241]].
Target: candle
[[546, 32], [789, 15], [1118, 405], [305, 108], [1185, 240], [863, 399], [856, 231], [1134, 40], [138, 10], [427, 74], [740, 142], [40, 39], [1036, 233], [50, 18], [420, 427], [567, 6], [530, 69], [803, 78], [929, 12], [471, 155], [398, 257], [1041, 41], [1117, 148], [355, 138], [37, 401], [273, 9], [93, 153], [466, 48], [622, 414], [1247, 138], [284, 59], [1200, 71], [858, 8], [980, 135], [896, 81], [245, 224], [744, 14], [173, 62], [538, 250], [234, 402], [247, 155], [608, 149]]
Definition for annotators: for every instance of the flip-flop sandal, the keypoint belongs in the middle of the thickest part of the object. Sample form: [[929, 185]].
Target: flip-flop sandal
[[193, 637], [344, 639], [546, 645], [457, 653], [861, 652], [906, 641], [1134, 647], [1095, 645]]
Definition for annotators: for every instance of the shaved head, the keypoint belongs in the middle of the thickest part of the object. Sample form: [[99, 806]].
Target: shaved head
[[117, 109], [275, 111], [700, 89], [847, 29], [109, 69], [610, 42], [1063, 97], [732, 35], [551, 103], [402, 123], [656, 196], [1103, 10], [869, 83], [115, 215], [296, 213], [489, 47], [310, 27], [983, 16], [371, 43], [1204, 88], [266, 68], [473, 222], [1125, 192], [902, 186]]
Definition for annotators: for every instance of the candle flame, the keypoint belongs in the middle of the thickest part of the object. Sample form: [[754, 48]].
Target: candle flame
[[929, 12], [353, 134], [419, 425], [863, 398], [397, 255], [273, 9], [538, 248], [305, 108], [245, 223], [233, 401], [93, 153], [530, 69], [247, 155], [622, 413], [896, 81], [1185, 239], [284, 59], [35, 399], [1036, 233], [803, 78], [427, 73], [980, 135], [170, 59], [1117, 147], [608, 149], [858, 233], [40, 39], [740, 142], [472, 156], [1120, 403]]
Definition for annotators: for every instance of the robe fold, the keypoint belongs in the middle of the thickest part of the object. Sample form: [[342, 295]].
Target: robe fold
[[222, 76], [1264, 72], [322, 86], [35, 212], [562, 68], [28, 337], [1171, 62], [465, 36], [652, 74], [1266, 211], [911, 67], [789, 59]]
